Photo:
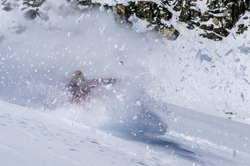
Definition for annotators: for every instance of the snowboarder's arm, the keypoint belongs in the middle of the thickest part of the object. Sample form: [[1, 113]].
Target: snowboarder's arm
[[101, 81]]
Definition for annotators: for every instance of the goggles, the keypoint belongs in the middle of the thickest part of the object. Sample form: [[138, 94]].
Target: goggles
[[78, 78]]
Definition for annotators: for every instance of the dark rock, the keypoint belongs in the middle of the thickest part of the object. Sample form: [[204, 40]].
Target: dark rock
[[241, 29], [185, 15], [31, 14], [206, 16], [226, 23], [207, 27], [122, 13], [33, 3], [190, 26], [211, 36], [7, 7], [177, 5], [212, 5], [246, 4], [216, 21], [241, 8], [221, 31], [84, 3], [169, 33], [240, 26]]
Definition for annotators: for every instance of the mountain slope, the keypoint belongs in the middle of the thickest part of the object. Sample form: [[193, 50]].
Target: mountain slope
[[31, 137]]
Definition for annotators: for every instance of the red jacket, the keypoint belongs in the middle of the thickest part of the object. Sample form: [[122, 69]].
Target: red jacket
[[79, 91]]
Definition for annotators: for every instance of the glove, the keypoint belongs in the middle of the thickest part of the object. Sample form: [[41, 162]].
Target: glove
[[111, 81]]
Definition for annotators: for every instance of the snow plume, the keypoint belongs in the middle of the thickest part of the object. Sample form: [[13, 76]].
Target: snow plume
[[43, 58], [38, 63]]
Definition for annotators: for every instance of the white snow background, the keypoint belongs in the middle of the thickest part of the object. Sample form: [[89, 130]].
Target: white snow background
[[133, 122]]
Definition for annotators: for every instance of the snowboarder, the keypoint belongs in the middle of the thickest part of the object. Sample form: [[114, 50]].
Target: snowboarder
[[78, 89]]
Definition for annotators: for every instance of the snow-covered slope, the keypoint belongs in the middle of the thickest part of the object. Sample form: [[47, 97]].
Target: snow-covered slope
[[31, 137]]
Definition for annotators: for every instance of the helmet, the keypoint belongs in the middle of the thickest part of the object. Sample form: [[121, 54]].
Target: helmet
[[78, 76], [77, 72]]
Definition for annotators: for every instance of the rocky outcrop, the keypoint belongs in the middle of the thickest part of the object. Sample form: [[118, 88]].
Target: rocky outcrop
[[156, 15], [213, 18], [217, 20]]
